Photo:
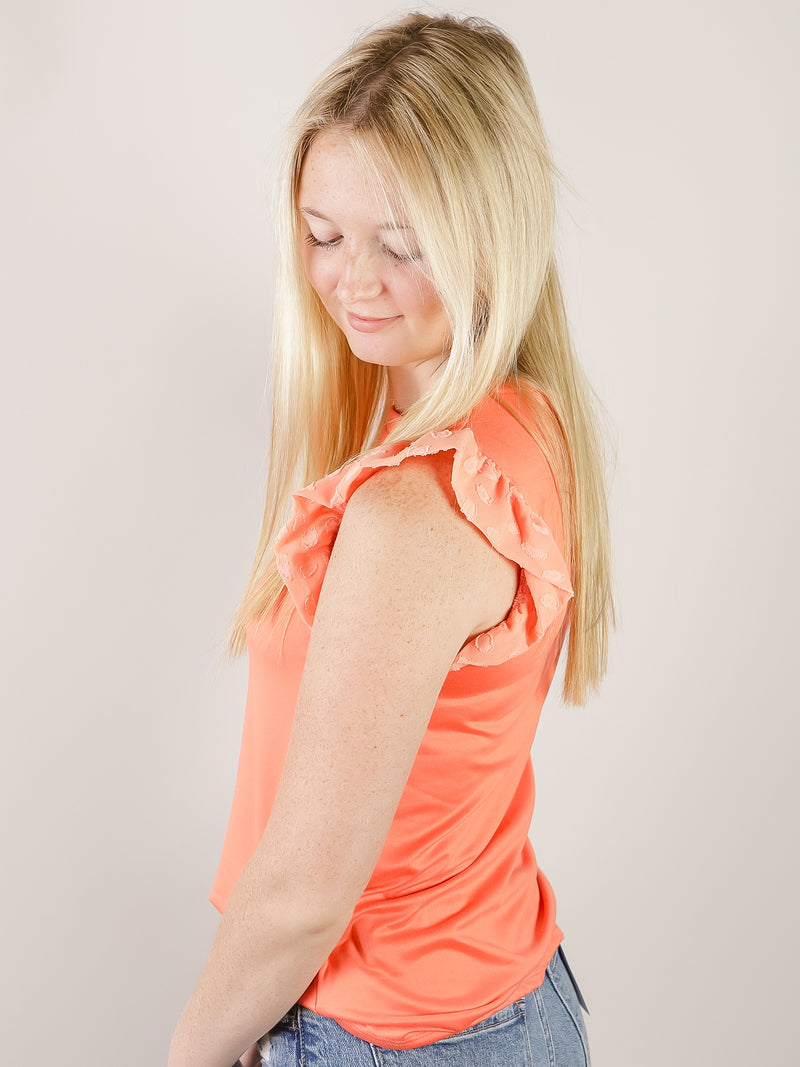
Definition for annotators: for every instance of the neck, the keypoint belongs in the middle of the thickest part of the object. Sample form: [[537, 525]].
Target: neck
[[407, 384]]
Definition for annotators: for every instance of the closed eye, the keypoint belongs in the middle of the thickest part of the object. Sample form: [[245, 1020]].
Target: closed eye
[[396, 257], [312, 240], [399, 257]]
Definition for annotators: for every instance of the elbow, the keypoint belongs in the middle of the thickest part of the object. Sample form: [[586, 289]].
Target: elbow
[[291, 911], [312, 917], [321, 922]]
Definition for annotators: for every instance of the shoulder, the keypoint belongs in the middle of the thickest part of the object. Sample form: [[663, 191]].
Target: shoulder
[[418, 488], [405, 525], [411, 510], [509, 427], [455, 516]]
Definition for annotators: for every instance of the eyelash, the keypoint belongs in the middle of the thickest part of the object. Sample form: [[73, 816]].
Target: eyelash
[[396, 256]]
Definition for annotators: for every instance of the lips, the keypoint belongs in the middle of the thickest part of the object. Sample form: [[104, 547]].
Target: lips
[[369, 325]]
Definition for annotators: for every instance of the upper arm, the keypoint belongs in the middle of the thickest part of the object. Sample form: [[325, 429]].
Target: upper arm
[[408, 582]]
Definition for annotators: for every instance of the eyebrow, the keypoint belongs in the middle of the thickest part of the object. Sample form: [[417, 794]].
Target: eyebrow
[[383, 225]]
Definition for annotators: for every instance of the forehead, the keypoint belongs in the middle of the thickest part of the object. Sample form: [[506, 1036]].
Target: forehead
[[340, 182]]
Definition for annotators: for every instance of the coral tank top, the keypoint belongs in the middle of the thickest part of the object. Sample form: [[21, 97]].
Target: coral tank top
[[457, 920]]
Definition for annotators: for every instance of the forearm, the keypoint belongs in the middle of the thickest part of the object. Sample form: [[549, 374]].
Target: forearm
[[263, 957], [251, 1058]]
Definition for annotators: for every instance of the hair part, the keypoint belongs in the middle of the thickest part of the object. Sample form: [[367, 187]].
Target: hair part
[[441, 113]]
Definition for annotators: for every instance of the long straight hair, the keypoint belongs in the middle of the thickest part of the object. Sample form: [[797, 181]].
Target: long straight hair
[[442, 114]]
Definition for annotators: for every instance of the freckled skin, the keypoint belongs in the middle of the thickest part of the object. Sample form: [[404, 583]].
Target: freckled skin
[[356, 269]]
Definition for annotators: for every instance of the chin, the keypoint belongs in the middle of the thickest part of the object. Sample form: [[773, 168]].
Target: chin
[[375, 353], [375, 358]]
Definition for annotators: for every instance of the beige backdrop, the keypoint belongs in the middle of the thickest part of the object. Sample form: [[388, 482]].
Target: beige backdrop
[[138, 143]]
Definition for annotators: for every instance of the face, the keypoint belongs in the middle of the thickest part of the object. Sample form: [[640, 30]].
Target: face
[[368, 271]]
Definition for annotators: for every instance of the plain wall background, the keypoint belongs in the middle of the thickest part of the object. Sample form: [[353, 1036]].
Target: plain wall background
[[138, 148]]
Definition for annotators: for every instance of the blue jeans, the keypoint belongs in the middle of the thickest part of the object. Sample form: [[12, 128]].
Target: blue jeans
[[543, 1029]]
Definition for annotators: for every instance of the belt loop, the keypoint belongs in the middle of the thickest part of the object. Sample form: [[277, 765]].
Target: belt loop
[[575, 985]]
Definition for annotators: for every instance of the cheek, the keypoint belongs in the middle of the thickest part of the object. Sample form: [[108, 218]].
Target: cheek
[[421, 298], [320, 273]]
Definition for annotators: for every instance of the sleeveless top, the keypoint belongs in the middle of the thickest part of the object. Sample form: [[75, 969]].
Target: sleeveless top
[[457, 921]]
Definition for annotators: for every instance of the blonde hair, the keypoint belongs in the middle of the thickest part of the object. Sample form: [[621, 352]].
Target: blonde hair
[[442, 112]]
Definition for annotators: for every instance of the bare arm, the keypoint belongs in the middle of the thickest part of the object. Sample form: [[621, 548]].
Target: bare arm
[[408, 582], [251, 1058]]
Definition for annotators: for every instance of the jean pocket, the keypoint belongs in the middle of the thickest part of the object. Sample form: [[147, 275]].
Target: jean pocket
[[497, 1041], [500, 1018]]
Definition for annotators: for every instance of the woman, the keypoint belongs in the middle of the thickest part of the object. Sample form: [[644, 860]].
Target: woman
[[381, 901]]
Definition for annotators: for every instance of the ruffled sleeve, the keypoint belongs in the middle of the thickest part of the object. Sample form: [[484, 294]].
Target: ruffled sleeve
[[487, 499]]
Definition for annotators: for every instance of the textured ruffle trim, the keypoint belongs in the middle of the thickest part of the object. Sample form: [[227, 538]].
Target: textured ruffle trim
[[486, 498]]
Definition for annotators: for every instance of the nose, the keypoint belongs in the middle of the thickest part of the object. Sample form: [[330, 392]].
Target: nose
[[359, 278]]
